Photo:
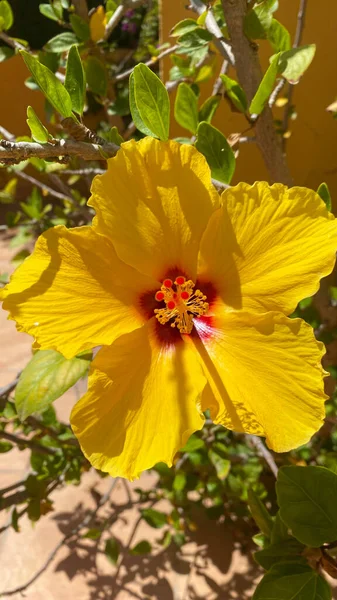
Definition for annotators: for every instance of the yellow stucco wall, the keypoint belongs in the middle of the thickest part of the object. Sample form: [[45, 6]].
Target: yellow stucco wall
[[312, 148]]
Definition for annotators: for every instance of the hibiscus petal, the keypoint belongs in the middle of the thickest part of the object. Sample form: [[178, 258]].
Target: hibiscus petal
[[268, 247], [142, 405], [266, 375], [154, 203], [73, 292]]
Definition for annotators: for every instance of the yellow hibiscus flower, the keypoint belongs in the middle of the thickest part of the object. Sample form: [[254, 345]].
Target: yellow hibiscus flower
[[188, 292]]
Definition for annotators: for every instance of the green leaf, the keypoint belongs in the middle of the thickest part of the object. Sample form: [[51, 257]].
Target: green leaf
[[235, 93], [152, 101], [134, 110], [259, 513], [179, 482], [258, 20], [38, 130], [294, 63], [186, 108], [46, 377], [143, 547], [61, 42], [97, 77], [292, 581], [283, 551], [5, 447], [154, 518], [52, 88], [208, 108], [193, 443], [183, 27], [280, 531], [81, 28], [75, 80], [114, 136], [6, 53], [6, 15], [218, 153], [112, 550], [265, 88], [222, 465], [193, 40], [47, 11], [306, 497], [324, 193], [93, 534], [279, 37]]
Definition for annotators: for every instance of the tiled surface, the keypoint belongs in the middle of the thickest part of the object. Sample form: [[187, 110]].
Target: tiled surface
[[210, 567]]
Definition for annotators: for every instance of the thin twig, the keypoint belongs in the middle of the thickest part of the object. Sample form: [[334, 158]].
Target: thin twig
[[18, 151], [264, 452], [153, 61], [222, 45], [297, 40], [119, 14], [85, 523], [6, 134], [218, 82], [10, 42], [29, 443], [275, 92], [43, 186], [7, 389], [89, 171]]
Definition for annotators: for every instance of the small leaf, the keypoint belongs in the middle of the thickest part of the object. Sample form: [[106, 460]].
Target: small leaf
[[97, 77], [258, 20], [143, 547], [38, 130], [81, 28], [97, 24], [259, 513], [47, 11], [114, 136], [93, 534], [294, 63], [134, 110], [5, 447], [235, 93], [186, 108], [152, 101], [265, 88], [194, 40], [154, 518], [179, 482], [292, 581], [75, 80], [279, 37], [208, 108], [6, 15], [183, 27], [193, 443], [324, 193], [52, 88], [307, 495], [112, 550], [46, 377], [218, 153], [222, 465], [61, 43]]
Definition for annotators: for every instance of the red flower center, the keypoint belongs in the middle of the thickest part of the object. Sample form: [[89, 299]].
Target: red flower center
[[182, 303]]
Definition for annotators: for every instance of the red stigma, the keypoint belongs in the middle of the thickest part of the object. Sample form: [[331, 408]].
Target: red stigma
[[167, 283], [185, 295], [180, 280], [171, 304], [159, 296]]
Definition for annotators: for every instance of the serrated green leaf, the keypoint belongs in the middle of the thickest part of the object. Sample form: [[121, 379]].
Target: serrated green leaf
[[38, 130], [152, 101], [218, 153], [47, 11], [186, 108], [6, 15], [97, 77], [75, 80], [279, 37], [265, 88], [143, 547], [307, 496], [112, 550], [61, 43], [292, 581], [46, 377], [294, 63], [259, 513], [81, 28], [154, 518], [183, 27], [52, 88], [235, 93], [324, 193], [208, 108]]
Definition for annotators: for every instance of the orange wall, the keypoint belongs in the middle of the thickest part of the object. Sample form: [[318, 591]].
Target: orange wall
[[312, 148]]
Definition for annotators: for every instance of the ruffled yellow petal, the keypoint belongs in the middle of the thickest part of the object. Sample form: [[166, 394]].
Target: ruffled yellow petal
[[142, 405], [154, 202], [265, 374], [73, 292], [268, 247]]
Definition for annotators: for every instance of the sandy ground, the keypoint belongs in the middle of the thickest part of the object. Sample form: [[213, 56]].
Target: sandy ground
[[210, 567]]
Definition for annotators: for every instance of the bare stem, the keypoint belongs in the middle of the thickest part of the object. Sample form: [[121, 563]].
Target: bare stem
[[264, 452], [43, 186], [14, 152], [219, 41], [153, 61]]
